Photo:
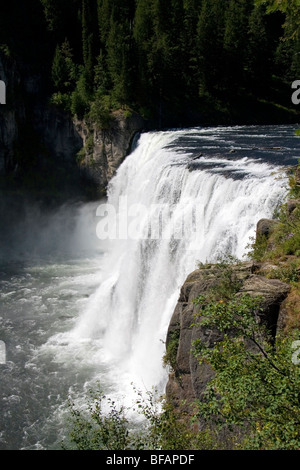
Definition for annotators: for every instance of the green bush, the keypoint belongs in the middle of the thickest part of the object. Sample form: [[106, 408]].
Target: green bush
[[225, 275], [286, 273], [172, 348], [100, 112], [102, 425], [93, 429], [291, 245], [255, 385], [63, 100], [258, 247], [81, 97]]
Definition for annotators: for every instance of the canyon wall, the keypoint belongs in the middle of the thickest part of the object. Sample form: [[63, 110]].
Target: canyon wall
[[41, 142]]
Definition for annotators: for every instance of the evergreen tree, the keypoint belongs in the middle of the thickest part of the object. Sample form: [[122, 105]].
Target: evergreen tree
[[118, 61], [101, 77], [235, 43], [210, 41], [143, 36], [103, 14], [59, 69], [62, 17], [259, 52], [88, 39], [63, 68], [190, 20], [81, 97], [291, 10], [176, 41]]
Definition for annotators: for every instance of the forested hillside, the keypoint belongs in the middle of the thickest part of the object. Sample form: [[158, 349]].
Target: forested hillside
[[176, 62]]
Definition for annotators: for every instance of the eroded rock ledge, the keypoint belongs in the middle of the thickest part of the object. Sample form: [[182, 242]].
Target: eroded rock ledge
[[104, 149], [188, 379]]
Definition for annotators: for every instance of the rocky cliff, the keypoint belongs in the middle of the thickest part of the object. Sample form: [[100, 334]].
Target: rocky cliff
[[37, 141], [9, 115], [104, 149], [42, 146], [188, 379]]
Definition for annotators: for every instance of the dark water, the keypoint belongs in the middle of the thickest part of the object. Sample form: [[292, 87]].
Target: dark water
[[274, 144]]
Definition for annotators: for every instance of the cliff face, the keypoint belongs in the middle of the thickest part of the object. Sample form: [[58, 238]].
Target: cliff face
[[105, 149], [9, 115], [41, 145], [188, 379], [35, 137]]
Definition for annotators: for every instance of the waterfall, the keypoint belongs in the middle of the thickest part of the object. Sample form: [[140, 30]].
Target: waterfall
[[88, 289], [168, 208]]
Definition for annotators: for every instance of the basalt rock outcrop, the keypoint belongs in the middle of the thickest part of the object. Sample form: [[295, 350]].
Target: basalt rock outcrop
[[188, 379], [104, 149]]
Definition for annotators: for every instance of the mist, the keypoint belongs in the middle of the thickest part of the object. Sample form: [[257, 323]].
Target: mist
[[31, 229]]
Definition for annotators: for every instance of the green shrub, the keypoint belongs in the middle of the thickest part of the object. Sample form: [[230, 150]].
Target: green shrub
[[94, 429], [237, 313], [255, 388], [291, 245], [63, 100], [100, 113], [81, 97], [172, 348], [286, 273], [258, 247], [102, 425], [224, 271]]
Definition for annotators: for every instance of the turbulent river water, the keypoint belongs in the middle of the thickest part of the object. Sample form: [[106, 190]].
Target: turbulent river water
[[87, 290]]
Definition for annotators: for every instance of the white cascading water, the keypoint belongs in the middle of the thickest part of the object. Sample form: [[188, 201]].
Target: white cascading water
[[206, 213]]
